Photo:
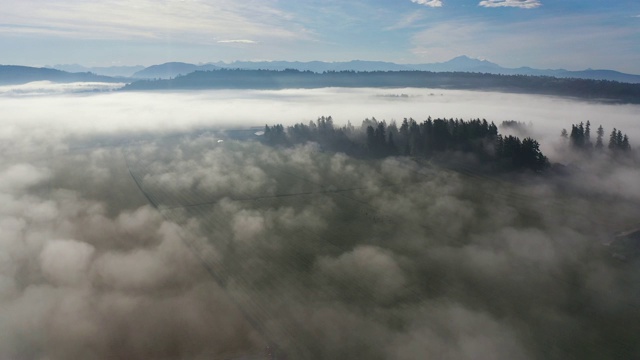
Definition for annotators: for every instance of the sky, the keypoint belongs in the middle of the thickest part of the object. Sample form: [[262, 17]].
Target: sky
[[569, 34]]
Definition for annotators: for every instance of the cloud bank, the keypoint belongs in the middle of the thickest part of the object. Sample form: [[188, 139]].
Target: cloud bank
[[130, 231], [53, 88]]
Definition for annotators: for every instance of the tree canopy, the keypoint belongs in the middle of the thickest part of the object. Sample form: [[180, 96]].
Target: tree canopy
[[377, 139]]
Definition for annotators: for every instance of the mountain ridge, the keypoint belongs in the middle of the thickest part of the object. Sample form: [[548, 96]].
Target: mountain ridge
[[116, 70], [16, 74], [460, 63]]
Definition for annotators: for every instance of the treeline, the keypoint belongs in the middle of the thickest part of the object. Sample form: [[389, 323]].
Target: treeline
[[273, 79], [580, 139], [425, 139]]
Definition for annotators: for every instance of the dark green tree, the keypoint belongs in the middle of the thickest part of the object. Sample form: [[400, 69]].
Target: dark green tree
[[391, 145], [619, 139], [613, 139], [625, 143], [600, 133], [531, 157], [577, 136]]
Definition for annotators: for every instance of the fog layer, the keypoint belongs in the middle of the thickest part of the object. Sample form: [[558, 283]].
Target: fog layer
[[126, 236]]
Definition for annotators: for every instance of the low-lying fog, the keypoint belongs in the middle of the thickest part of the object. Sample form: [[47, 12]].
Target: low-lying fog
[[113, 112], [184, 247]]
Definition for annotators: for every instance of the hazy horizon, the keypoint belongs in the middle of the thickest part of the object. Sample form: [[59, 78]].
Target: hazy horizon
[[230, 62]]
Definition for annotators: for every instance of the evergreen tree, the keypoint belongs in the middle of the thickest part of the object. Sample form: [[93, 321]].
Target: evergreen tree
[[493, 129], [625, 143], [599, 144], [427, 136], [530, 155], [613, 140], [587, 135], [499, 147], [619, 139], [440, 135], [371, 140], [414, 138], [391, 145], [577, 136]]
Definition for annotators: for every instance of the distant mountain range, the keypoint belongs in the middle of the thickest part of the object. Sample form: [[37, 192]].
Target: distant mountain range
[[171, 70], [13, 75], [458, 64], [117, 71]]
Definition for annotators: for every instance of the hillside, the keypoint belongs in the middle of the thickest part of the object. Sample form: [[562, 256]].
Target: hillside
[[13, 75], [170, 70], [269, 79]]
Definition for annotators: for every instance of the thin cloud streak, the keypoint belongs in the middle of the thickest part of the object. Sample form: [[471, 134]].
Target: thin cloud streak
[[430, 3], [239, 41], [148, 20], [523, 4], [407, 22]]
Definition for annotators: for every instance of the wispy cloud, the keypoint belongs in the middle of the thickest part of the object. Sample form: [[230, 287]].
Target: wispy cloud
[[407, 22], [237, 41], [523, 4], [430, 3], [192, 21]]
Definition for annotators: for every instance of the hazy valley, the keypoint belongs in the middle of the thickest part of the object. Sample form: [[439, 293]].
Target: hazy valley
[[170, 211]]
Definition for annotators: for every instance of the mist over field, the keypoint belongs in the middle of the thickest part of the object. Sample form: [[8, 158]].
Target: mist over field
[[88, 113], [135, 227]]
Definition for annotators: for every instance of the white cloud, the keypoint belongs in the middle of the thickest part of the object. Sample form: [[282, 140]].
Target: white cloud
[[237, 41], [523, 4], [51, 88], [192, 21], [408, 21], [431, 3]]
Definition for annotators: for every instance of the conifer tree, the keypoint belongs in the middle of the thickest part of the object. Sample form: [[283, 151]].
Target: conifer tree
[[613, 139], [625, 143], [619, 139], [599, 144]]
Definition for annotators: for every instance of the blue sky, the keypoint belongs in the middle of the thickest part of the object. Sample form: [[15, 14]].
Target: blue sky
[[571, 34]]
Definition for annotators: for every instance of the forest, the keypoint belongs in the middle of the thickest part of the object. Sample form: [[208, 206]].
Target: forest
[[580, 139], [376, 139], [597, 90], [435, 137]]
